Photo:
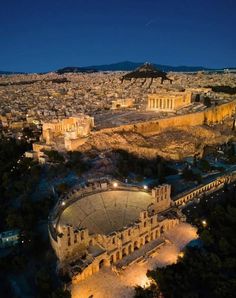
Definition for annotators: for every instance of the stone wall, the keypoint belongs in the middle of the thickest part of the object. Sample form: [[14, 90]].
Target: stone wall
[[203, 189], [71, 243], [211, 115], [150, 229]]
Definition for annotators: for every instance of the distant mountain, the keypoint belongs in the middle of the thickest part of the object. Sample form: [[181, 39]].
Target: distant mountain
[[2, 72], [75, 69], [127, 66], [130, 66]]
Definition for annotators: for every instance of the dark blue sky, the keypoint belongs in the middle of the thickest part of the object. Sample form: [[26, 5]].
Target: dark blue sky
[[40, 35]]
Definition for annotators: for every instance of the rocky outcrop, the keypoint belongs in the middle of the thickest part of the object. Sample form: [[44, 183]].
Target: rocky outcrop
[[174, 143]]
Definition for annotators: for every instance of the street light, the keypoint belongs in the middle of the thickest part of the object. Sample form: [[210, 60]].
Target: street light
[[115, 184], [63, 203], [145, 187], [204, 223]]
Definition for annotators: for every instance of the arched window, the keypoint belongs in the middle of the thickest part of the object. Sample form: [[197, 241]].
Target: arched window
[[112, 259], [117, 255]]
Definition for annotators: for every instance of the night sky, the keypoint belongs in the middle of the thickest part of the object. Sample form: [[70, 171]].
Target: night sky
[[40, 35]]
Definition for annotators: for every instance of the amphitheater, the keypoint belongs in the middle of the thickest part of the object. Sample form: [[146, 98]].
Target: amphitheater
[[109, 224], [106, 212]]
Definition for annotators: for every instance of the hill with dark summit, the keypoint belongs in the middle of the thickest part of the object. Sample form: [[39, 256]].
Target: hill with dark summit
[[146, 71]]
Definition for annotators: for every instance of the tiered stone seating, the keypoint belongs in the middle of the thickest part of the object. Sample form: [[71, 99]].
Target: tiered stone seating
[[106, 211]]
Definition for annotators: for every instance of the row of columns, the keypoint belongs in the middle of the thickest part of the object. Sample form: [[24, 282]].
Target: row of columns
[[161, 103]]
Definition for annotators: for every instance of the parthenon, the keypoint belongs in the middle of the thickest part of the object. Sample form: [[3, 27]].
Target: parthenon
[[169, 100]]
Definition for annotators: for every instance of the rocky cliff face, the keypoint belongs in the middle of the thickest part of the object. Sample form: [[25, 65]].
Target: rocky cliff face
[[172, 143]]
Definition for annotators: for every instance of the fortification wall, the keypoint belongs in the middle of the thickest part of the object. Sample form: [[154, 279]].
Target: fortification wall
[[210, 116]]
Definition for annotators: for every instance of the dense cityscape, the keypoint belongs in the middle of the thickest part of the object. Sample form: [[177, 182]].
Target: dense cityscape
[[117, 180]]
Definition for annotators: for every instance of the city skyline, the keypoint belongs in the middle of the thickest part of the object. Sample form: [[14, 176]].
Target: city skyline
[[40, 37]]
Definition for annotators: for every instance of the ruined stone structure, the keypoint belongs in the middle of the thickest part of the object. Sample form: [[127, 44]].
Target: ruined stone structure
[[104, 225], [122, 103], [70, 128], [210, 115], [65, 141], [197, 192], [168, 100], [67, 134]]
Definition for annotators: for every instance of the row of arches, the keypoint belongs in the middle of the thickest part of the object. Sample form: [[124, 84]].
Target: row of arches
[[199, 191], [124, 251], [137, 244]]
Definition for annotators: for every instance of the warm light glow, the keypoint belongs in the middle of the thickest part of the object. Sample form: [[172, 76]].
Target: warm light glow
[[63, 203], [145, 282], [123, 283], [181, 254], [145, 187], [204, 223], [115, 184]]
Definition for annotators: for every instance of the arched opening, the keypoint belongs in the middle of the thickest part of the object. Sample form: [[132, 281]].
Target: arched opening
[[141, 242], [151, 236], [135, 245], [162, 230], [75, 238], [101, 264], [130, 249], [91, 242], [197, 98], [123, 252], [117, 255], [146, 239], [112, 259]]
